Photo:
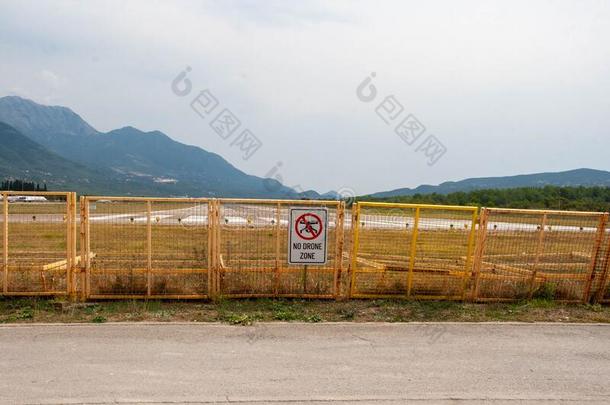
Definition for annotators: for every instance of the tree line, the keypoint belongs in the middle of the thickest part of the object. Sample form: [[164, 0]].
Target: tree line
[[22, 185], [549, 197]]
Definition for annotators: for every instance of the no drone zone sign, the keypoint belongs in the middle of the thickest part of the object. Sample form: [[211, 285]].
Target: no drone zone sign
[[308, 234]]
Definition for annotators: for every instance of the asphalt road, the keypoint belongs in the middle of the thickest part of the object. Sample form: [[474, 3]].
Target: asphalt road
[[306, 363]]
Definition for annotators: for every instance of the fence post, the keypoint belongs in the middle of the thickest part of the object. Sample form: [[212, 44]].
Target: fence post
[[539, 251], [87, 243], [213, 249], [148, 248], [5, 250], [218, 249], [210, 250], [355, 246], [68, 252], [276, 289], [74, 244], [479, 250], [601, 231], [469, 253], [339, 238], [84, 254], [75, 240], [71, 246], [413, 251], [599, 296]]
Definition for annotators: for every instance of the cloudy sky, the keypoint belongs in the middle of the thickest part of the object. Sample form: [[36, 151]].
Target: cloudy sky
[[505, 87]]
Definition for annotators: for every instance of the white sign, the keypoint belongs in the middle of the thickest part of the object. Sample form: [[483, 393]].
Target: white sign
[[308, 231]]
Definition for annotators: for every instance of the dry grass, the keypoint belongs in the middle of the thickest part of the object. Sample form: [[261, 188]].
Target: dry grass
[[247, 311]]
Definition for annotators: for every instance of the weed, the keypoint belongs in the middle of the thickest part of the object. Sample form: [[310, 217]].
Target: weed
[[98, 319], [541, 303], [285, 315], [152, 306], [239, 319], [92, 309], [313, 318], [546, 291], [594, 307], [246, 312], [25, 313], [163, 314], [347, 313]]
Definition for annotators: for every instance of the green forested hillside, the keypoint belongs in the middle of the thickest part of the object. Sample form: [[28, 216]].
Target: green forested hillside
[[569, 178], [22, 159], [548, 197]]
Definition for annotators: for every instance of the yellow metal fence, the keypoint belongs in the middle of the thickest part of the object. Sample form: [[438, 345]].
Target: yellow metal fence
[[200, 248], [179, 248], [38, 242], [527, 253], [252, 243], [411, 251], [146, 247]]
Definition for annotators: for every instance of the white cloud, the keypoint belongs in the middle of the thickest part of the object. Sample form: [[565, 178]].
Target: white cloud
[[528, 76], [50, 79]]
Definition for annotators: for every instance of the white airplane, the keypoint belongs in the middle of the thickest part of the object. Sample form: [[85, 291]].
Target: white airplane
[[26, 198]]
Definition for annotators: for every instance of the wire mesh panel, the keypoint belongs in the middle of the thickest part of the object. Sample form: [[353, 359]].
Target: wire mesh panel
[[411, 251], [37, 243], [253, 251], [530, 253], [180, 260], [142, 248]]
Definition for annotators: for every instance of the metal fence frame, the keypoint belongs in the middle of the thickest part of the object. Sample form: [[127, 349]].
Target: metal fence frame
[[356, 212], [67, 264], [279, 265], [595, 274], [87, 253], [482, 244]]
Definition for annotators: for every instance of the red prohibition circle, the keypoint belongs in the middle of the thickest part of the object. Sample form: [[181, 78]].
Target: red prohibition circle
[[303, 219]]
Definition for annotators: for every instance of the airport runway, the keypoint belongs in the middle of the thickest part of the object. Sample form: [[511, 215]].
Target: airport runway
[[261, 216], [306, 363]]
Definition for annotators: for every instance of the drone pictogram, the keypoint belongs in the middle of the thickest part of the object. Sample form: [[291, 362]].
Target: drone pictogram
[[308, 226]]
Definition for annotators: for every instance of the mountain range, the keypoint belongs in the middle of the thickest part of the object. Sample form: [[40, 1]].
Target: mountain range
[[126, 160], [577, 177], [54, 145]]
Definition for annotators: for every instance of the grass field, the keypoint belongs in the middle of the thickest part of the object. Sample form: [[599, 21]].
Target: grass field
[[248, 311]]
